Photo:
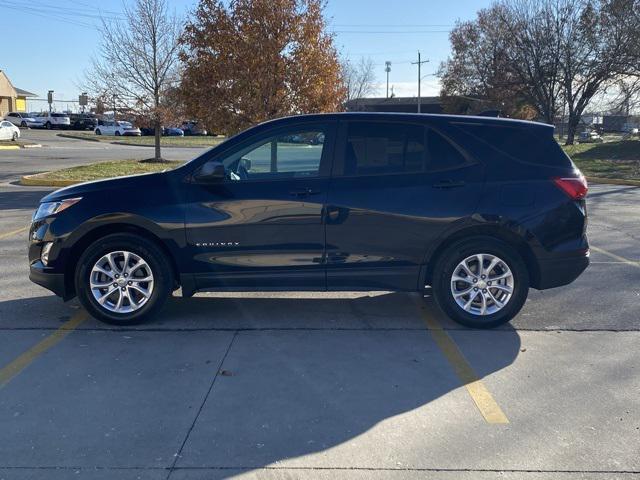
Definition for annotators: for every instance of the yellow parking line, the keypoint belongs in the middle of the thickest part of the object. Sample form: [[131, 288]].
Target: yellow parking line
[[617, 257], [488, 407], [24, 360], [14, 232]]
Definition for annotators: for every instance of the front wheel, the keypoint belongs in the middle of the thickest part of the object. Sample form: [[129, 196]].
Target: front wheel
[[123, 279], [23, 124], [480, 282], [14, 137], [117, 133], [47, 125], [98, 132]]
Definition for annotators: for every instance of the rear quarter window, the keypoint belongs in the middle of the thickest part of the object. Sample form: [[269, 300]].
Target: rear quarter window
[[535, 145]]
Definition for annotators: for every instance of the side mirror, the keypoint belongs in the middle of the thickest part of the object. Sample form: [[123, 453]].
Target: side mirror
[[210, 172]]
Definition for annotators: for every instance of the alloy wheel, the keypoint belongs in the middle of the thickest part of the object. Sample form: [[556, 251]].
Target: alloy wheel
[[121, 282], [482, 284]]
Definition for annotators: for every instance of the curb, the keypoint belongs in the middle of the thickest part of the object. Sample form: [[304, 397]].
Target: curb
[[35, 181], [613, 181], [19, 146], [162, 146], [116, 142]]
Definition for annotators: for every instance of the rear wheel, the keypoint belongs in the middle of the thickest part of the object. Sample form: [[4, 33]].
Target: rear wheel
[[23, 124], [117, 133], [480, 282], [47, 125], [98, 132], [123, 279]]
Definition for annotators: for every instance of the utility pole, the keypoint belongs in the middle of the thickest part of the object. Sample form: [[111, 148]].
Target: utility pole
[[387, 69], [419, 63]]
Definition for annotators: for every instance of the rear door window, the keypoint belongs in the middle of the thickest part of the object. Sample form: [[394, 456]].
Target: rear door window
[[375, 148], [442, 154]]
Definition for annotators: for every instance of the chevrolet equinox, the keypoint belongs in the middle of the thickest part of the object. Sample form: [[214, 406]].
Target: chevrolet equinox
[[479, 209]]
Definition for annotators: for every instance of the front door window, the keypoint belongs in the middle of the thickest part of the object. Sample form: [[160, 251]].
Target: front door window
[[290, 155]]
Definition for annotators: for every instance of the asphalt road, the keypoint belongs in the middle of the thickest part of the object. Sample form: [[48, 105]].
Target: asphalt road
[[325, 385], [58, 152]]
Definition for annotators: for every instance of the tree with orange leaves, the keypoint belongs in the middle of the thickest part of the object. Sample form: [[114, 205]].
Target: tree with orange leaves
[[258, 59]]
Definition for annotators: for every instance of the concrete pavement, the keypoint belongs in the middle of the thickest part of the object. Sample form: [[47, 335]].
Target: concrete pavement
[[326, 385]]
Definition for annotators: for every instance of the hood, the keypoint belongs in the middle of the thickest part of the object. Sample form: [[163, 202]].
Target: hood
[[108, 186]]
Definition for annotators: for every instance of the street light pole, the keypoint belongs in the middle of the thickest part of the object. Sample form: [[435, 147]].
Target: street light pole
[[387, 69], [419, 63]]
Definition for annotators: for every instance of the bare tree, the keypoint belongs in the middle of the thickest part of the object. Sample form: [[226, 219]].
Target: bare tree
[[137, 63], [548, 51], [598, 46], [359, 78]]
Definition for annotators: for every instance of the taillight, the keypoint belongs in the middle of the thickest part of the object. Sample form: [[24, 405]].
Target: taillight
[[575, 187]]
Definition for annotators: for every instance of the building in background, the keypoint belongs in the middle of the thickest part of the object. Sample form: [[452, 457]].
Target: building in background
[[452, 104], [395, 104], [12, 99]]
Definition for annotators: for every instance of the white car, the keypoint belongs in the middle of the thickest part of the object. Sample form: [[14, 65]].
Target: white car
[[54, 120], [117, 128], [589, 137], [22, 119], [8, 131]]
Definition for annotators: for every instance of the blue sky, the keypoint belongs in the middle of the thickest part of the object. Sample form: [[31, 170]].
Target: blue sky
[[53, 40]]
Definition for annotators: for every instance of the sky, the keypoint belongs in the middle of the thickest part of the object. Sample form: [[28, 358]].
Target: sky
[[52, 41]]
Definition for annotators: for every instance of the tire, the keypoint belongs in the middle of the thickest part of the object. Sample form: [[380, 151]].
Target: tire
[[117, 133], [157, 267], [14, 137], [449, 263], [98, 132], [23, 124], [47, 125]]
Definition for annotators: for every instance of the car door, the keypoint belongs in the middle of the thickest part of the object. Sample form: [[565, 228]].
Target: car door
[[397, 186], [262, 226]]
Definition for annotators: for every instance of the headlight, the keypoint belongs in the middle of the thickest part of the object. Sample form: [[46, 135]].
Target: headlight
[[51, 208]]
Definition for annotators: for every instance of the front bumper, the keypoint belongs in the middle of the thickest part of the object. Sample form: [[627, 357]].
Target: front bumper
[[44, 277]]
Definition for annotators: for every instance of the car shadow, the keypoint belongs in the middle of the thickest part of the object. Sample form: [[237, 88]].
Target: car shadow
[[305, 375]]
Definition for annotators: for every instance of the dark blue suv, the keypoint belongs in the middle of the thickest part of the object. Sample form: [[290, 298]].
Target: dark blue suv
[[480, 209]]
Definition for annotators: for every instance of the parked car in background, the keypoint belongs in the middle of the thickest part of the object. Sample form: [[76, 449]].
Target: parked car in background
[[191, 127], [589, 137], [54, 120], [148, 131], [8, 131], [83, 121], [173, 132], [385, 202], [117, 128], [22, 119]]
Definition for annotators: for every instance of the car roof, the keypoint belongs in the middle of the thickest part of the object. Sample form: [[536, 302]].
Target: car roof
[[412, 117]]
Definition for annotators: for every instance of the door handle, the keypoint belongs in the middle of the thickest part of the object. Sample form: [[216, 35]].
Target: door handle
[[448, 184], [303, 192]]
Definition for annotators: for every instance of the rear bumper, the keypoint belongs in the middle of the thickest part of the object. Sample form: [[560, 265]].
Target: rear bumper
[[55, 282], [561, 271]]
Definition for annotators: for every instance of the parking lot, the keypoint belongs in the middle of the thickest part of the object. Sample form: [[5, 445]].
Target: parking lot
[[322, 385]]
